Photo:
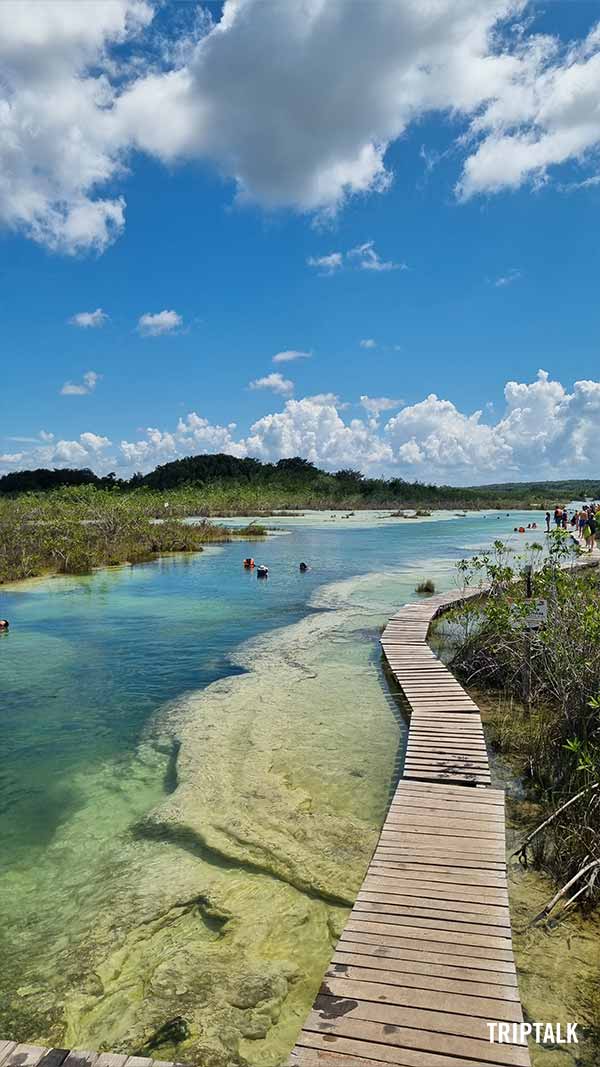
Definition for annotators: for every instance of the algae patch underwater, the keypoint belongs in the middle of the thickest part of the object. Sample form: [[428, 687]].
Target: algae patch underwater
[[207, 935]]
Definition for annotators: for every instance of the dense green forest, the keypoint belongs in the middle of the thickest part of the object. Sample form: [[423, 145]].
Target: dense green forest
[[219, 484]]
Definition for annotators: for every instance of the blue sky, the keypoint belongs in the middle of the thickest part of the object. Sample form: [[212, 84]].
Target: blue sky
[[472, 290]]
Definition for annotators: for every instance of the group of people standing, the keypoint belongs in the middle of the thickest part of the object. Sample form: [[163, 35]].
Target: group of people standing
[[584, 523]]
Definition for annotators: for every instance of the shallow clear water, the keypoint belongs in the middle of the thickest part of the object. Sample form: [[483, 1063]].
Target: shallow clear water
[[195, 764]]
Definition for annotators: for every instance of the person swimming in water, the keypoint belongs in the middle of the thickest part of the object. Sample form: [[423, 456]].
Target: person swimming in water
[[303, 567], [3, 624]]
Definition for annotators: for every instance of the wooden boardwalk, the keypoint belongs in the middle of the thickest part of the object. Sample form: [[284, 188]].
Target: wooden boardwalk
[[14, 1055], [425, 961]]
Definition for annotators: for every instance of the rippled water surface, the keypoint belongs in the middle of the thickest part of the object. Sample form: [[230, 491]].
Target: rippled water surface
[[195, 764]]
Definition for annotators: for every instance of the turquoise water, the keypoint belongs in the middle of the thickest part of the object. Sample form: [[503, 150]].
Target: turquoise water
[[189, 752]]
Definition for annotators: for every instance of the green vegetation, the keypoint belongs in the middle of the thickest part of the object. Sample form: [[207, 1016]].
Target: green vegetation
[[221, 484], [253, 529], [549, 675], [426, 586], [74, 529]]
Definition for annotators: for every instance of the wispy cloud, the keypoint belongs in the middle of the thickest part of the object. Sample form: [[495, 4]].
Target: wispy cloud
[[376, 404], [368, 342], [275, 382], [89, 319], [90, 380], [511, 276], [290, 355], [367, 258], [361, 257], [572, 187], [42, 436], [327, 264], [153, 325]]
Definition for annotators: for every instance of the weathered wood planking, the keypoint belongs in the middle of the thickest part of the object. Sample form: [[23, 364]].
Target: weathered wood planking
[[14, 1055], [425, 961], [445, 740]]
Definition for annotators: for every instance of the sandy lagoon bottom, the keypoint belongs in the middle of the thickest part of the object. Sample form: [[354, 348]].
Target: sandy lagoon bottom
[[188, 904]]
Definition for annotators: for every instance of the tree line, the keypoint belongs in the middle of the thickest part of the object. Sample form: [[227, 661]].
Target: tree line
[[298, 482]]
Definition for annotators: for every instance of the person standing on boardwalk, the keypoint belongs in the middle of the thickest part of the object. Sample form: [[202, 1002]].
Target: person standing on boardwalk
[[592, 526]]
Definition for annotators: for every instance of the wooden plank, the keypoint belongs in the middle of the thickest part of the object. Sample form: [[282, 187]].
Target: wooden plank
[[436, 890], [54, 1057], [421, 953], [81, 1058], [455, 938], [440, 775], [448, 842], [408, 821], [433, 754], [414, 914], [416, 879], [402, 912], [430, 1032], [397, 899], [435, 873], [6, 1047], [355, 966], [440, 857], [426, 853], [437, 749], [24, 1056], [430, 1000], [110, 1059], [426, 975], [433, 1021], [447, 793], [490, 796], [446, 739]]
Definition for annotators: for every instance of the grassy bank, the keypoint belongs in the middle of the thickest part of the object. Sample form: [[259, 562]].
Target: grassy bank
[[547, 722], [72, 530]]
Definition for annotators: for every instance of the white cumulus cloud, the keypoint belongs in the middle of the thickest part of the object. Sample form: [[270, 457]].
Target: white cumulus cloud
[[153, 325], [88, 450], [297, 104], [275, 381], [368, 342], [89, 319], [545, 430], [90, 380]]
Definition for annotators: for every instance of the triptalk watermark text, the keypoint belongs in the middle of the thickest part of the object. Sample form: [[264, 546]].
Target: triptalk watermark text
[[542, 1033]]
